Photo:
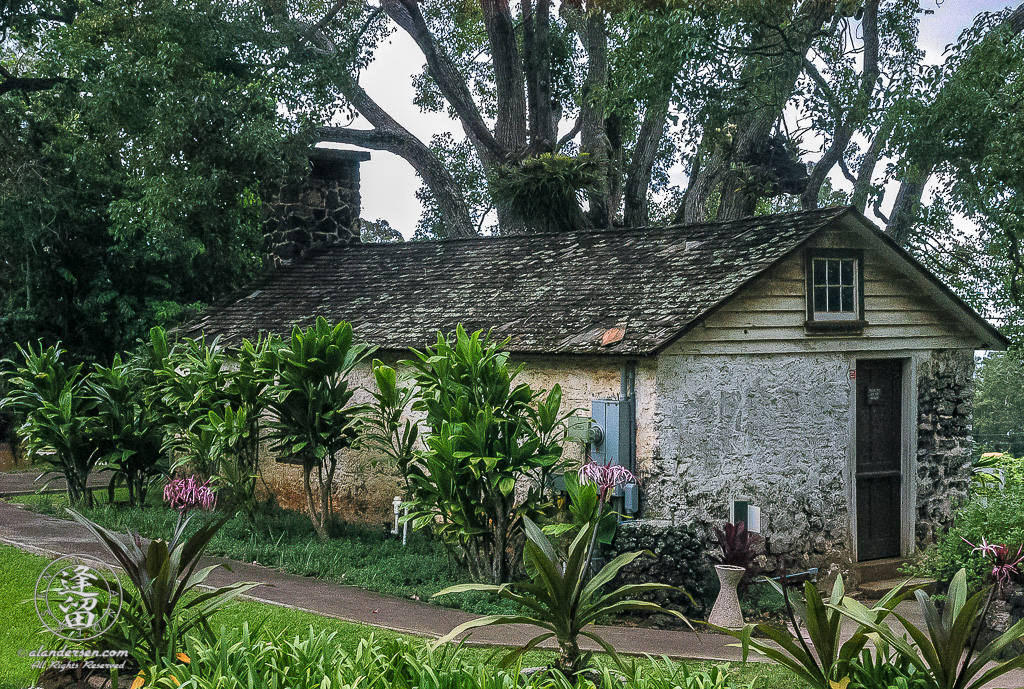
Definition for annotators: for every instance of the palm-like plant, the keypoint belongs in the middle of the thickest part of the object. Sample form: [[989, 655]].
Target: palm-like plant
[[561, 599], [59, 417], [311, 415], [163, 604], [946, 651], [826, 657], [130, 431]]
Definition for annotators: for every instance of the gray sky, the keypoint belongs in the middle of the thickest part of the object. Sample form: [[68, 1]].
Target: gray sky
[[389, 183]]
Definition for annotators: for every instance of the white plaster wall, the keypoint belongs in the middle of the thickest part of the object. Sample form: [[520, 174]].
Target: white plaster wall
[[773, 429]]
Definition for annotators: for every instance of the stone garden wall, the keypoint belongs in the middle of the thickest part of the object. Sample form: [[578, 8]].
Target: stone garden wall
[[679, 557], [945, 398]]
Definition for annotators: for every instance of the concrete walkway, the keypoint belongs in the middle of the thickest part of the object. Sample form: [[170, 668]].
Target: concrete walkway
[[54, 537], [25, 483]]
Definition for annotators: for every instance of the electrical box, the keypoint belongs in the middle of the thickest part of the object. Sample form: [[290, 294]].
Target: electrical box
[[610, 441], [743, 511], [578, 428]]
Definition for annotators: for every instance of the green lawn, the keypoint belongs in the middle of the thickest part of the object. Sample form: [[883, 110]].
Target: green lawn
[[22, 629]]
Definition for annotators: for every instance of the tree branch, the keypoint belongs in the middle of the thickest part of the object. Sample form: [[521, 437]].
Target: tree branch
[[638, 175], [848, 121], [30, 84], [442, 69], [388, 135]]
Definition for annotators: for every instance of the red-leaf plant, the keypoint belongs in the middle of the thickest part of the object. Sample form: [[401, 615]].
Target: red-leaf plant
[[739, 547]]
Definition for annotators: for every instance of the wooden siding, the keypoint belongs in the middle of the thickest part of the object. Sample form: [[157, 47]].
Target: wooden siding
[[769, 315]]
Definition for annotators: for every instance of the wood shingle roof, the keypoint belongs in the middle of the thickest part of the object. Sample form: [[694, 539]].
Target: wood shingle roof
[[551, 293]]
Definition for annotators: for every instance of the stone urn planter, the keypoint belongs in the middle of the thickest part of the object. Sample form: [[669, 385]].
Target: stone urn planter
[[726, 610]]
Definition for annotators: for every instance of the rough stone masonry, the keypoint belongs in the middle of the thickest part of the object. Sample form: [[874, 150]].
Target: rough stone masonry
[[945, 394], [320, 211]]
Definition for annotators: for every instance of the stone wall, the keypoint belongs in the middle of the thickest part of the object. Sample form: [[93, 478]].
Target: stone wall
[[321, 211], [679, 557], [771, 429], [945, 395]]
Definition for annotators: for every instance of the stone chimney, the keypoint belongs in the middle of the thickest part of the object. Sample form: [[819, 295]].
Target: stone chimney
[[321, 211]]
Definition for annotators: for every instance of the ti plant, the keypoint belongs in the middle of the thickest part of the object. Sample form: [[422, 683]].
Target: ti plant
[[312, 418], [947, 650], [162, 604], [560, 598], [827, 656], [738, 546], [59, 414]]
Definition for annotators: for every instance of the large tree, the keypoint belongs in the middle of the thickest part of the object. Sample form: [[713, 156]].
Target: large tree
[[570, 113], [135, 146]]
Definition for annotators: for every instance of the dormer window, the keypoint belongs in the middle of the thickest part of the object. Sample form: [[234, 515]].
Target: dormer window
[[834, 289]]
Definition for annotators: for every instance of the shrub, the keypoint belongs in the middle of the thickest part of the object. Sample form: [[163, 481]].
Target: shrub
[[997, 518], [311, 418], [490, 446], [59, 416], [561, 598]]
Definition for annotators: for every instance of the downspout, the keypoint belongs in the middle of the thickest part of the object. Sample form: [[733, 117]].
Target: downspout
[[627, 393]]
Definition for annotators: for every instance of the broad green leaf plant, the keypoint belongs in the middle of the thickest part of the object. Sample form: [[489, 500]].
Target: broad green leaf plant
[[491, 445], [59, 416], [947, 650], [312, 418], [824, 656], [130, 431], [561, 599]]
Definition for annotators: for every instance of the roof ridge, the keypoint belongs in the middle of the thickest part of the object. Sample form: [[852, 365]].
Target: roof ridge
[[769, 217]]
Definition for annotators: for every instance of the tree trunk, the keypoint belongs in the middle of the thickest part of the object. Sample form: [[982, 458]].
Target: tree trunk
[[593, 138], [307, 485], [638, 175], [862, 187], [510, 123], [773, 79], [905, 209]]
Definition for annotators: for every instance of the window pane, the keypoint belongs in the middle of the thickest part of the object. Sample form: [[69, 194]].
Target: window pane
[[819, 271], [847, 273], [832, 277], [847, 299], [833, 299], [819, 299]]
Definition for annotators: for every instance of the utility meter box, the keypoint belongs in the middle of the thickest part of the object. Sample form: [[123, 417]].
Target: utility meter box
[[610, 441]]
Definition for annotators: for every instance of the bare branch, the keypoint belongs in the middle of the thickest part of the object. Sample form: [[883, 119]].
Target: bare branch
[[442, 69], [388, 135]]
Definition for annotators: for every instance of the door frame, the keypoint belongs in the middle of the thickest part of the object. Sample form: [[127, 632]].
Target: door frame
[[908, 451]]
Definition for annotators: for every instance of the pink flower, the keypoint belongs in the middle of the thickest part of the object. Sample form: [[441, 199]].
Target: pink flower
[[1004, 566], [184, 494], [606, 476]]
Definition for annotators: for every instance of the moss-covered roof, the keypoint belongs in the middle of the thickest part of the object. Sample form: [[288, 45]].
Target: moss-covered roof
[[551, 293]]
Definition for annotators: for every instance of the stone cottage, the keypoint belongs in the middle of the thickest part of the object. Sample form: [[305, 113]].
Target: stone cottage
[[799, 371]]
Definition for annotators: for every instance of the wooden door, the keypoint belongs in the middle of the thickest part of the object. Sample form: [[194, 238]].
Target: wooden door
[[879, 461]]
